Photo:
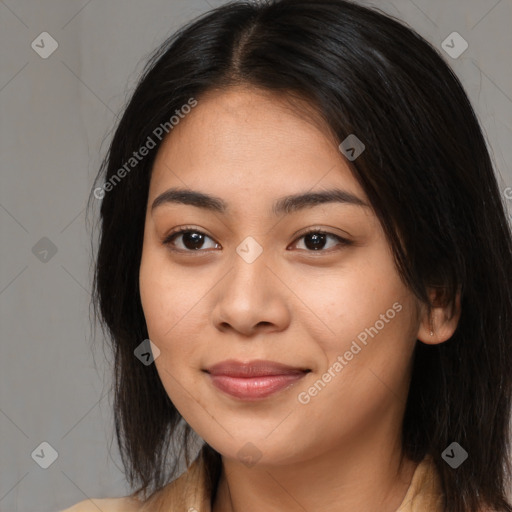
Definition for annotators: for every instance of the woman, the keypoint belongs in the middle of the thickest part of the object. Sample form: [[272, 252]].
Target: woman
[[300, 212]]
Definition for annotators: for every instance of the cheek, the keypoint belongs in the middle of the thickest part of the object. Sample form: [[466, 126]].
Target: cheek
[[166, 293], [368, 367], [163, 299], [340, 304], [172, 300], [168, 301]]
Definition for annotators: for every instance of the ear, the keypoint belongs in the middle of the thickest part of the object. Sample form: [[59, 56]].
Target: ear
[[443, 320]]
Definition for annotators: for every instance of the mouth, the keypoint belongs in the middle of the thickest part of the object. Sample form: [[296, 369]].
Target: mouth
[[253, 380]]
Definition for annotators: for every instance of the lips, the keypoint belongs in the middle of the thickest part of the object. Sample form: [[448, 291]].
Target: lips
[[253, 380], [256, 368]]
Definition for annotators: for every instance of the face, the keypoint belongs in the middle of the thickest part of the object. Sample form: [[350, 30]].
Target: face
[[310, 285]]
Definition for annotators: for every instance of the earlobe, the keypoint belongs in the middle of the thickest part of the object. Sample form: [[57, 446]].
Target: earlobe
[[443, 321]]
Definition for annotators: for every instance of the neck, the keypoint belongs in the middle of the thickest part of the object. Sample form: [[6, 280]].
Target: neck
[[364, 476]]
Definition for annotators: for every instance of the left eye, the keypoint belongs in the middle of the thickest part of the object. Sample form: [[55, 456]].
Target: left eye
[[316, 240], [193, 240]]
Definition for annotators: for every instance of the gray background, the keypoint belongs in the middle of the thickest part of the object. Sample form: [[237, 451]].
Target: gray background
[[56, 119]]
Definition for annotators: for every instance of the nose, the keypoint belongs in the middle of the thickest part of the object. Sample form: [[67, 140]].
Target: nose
[[252, 299]]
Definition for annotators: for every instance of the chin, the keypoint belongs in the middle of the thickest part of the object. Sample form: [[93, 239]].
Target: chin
[[252, 450]]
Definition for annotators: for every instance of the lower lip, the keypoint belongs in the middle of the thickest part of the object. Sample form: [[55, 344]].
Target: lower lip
[[254, 388]]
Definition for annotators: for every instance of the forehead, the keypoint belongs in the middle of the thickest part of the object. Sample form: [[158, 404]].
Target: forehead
[[254, 142]]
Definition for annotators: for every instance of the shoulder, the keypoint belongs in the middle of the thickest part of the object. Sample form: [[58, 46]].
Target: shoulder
[[126, 504]]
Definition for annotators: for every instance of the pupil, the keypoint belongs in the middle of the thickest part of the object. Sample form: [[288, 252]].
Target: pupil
[[192, 240], [318, 240]]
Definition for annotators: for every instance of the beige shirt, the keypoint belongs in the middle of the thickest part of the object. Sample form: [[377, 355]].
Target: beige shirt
[[189, 493]]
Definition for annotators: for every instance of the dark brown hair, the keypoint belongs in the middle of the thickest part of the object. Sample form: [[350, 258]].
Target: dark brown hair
[[427, 173]]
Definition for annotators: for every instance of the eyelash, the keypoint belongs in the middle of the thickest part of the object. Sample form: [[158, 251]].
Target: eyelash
[[189, 229]]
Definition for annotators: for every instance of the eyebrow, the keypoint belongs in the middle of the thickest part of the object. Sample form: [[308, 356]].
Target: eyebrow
[[284, 205]]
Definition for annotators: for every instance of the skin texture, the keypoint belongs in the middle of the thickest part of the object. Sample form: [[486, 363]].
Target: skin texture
[[294, 305]]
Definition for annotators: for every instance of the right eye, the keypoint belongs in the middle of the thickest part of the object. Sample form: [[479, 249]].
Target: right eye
[[192, 240]]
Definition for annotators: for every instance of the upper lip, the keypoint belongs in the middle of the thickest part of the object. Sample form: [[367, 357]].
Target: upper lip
[[256, 368]]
